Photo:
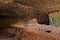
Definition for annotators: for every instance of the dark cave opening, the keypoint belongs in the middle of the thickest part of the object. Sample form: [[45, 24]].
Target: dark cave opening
[[43, 18]]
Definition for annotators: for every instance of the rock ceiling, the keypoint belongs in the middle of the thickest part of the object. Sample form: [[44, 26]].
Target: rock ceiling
[[46, 5]]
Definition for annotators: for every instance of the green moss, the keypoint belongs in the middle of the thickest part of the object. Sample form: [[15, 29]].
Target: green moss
[[55, 19]]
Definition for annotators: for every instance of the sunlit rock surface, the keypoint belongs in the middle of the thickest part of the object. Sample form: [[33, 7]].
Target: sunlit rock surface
[[34, 32], [37, 32]]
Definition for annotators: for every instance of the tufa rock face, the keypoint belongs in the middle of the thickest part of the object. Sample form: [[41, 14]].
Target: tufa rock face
[[5, 1], [11, 13], [45, 5], [12, 9]]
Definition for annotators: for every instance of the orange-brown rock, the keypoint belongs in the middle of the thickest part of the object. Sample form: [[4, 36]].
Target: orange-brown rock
[[46, 5], [31, 34]]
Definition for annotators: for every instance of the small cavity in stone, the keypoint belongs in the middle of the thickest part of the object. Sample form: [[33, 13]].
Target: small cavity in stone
[[48, 31]]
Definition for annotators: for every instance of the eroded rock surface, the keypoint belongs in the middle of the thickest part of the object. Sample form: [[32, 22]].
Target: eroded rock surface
[[46, 5], [37, 32]]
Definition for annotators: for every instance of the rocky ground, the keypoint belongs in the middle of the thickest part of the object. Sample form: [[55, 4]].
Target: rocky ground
[[34, 32], [55, 30]]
